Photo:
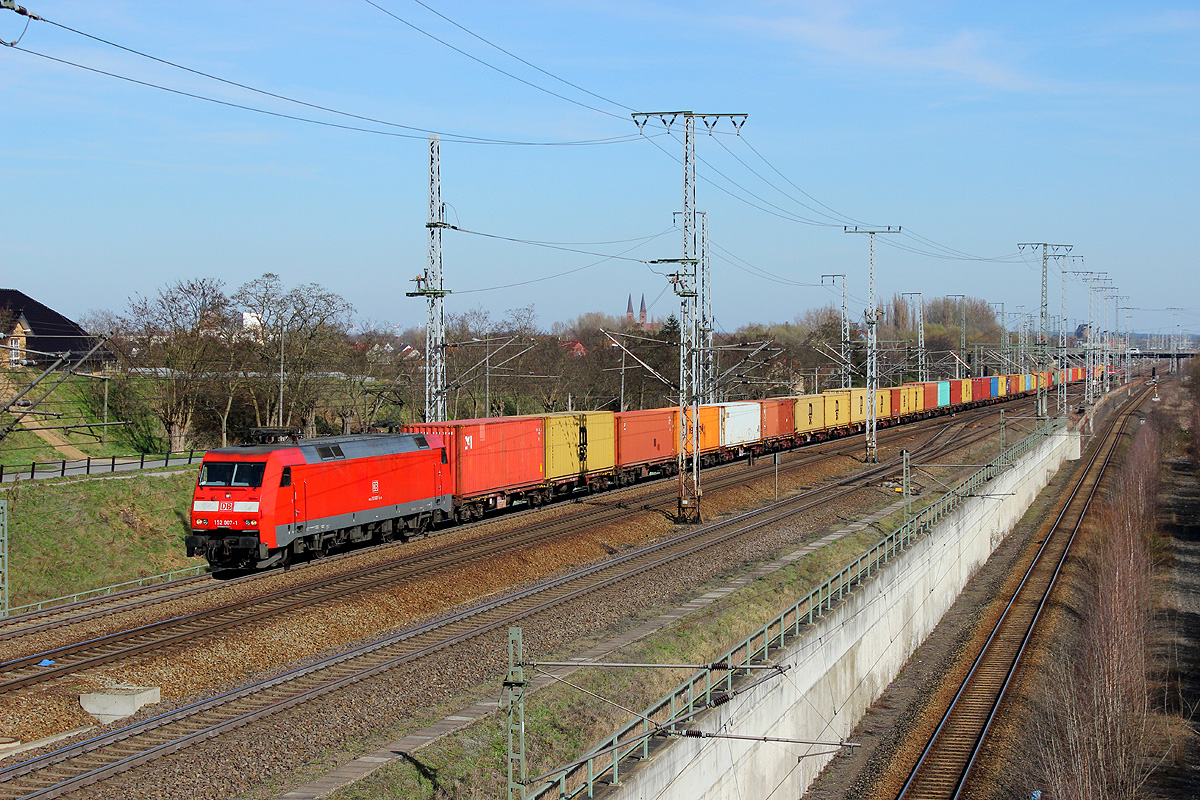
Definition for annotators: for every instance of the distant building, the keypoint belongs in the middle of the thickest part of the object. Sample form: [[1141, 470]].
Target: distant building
[[642, 320], [35, 333], [574, 348]]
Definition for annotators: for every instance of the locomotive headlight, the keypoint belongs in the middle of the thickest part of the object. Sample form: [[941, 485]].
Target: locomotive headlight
[[200, 521], [253, 522]]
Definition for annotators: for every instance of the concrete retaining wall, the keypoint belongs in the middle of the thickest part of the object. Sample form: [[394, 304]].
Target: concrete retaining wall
[[849, 656]]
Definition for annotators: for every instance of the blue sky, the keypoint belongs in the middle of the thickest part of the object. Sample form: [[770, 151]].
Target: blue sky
[[976, 126]]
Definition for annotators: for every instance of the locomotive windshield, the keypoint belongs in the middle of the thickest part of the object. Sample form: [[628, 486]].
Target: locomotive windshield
[[232, 473]]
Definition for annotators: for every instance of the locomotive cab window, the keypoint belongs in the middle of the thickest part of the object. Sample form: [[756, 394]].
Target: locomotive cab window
[[286, 478], [233, 473]]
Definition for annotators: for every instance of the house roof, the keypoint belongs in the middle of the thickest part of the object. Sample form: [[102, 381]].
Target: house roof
[[49, 331]]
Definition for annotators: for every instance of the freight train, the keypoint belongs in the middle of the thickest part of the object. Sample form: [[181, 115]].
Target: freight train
[[260, 505]]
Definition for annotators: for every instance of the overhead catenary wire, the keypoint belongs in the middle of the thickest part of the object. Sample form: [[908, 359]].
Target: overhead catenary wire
[[547, 73], [502, 71]]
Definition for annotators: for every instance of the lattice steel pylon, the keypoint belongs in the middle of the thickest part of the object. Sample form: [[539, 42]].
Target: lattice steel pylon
[[687, 461], [922, 357], [430, 287], [515, 686], [872, 445], [844, 349], [1042, 349], [691, 284]]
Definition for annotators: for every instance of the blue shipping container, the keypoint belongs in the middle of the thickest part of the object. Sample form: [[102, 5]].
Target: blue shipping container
[[995, 386], [943, 393]]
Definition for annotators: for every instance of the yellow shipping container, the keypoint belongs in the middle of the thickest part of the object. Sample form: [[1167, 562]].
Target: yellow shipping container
[[810, 413], [855, 400], [966, 390], [578, 443], [917, 401], [883, 403]]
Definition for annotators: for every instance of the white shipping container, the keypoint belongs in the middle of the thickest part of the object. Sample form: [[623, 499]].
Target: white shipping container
[[741, 423]]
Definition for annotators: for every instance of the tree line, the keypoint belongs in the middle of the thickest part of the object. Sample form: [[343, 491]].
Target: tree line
[[201, 365]]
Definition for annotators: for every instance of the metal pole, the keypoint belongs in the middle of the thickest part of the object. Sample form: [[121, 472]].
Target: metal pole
[[872, 445], [922, 363], [431, 287], [962, 347], [515, 685], [5, 576], [280, 414]]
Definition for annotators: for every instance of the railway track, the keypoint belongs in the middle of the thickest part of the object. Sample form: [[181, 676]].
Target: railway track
[[68, 659], [133, 599], [111, 753], [945, 764]]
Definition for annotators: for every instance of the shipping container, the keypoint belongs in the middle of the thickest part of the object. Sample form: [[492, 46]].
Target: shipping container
[[943, 393], [981, 388], [646, 437], [777, 420], [853, 399], [956, 389], [579, 443], [994, 387], [924, 395], [491, 456], [837, 409], [917, 398], [708, 436], [809, 413], [883, 404], [899, 399], [741, 423]]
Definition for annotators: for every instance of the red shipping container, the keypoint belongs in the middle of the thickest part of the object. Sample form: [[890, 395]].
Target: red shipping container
[[899, 407], [955, 392], [777, 417], [489, 456], [646, 437], [981, 388]]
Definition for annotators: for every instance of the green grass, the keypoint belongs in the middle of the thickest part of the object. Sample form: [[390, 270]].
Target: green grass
[[70, 401], [74, 535]]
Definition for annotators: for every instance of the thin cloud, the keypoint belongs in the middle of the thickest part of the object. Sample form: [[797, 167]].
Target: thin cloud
[[830, 29]]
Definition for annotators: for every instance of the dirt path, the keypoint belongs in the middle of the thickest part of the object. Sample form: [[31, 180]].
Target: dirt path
[[8, 388]]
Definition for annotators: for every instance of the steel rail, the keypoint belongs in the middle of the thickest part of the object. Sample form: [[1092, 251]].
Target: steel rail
[[134, 598], [945, 762]]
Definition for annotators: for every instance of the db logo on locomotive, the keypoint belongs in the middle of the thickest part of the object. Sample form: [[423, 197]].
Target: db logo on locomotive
[[225, 505]]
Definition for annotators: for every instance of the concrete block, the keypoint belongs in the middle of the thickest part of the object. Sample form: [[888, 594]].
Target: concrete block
[[118, 702]]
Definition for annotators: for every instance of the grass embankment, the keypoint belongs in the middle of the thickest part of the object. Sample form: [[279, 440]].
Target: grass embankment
[[70, 536], [76, 401], [561, 722]]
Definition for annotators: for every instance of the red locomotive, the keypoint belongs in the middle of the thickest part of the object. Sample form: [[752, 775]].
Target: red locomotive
[[256, 506]]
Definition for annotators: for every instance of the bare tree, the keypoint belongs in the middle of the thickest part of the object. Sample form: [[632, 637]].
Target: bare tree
[[173, 343]]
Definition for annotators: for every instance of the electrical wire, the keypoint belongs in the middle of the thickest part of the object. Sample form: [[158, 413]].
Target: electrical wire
[[518, 58], [604, 260], [478, 60], [450, 137], [556, 246]]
